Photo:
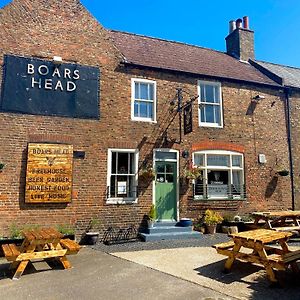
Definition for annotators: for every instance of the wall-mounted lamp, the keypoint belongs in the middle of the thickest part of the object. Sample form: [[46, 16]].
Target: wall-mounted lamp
[[185, 154], [57, 60]]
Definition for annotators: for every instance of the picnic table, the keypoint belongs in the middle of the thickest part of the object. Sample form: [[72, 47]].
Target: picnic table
[[42, 243], [279, 220], [269, 256]]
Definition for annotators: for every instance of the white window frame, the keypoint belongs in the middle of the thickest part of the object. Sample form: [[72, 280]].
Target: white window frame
[[141, 80], [114, 200], [201, 103], [229, 168]]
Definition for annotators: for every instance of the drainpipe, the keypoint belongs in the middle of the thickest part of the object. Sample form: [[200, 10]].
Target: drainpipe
[[288, 119]]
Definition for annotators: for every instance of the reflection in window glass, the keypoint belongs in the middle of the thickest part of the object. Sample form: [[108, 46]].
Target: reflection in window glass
[[165, 155]]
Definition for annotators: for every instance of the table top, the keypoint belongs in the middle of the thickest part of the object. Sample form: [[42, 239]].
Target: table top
[[284, 213], [262, 235], [42, 234]]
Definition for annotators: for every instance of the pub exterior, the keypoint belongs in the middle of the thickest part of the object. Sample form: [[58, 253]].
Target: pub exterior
[[101, 124]]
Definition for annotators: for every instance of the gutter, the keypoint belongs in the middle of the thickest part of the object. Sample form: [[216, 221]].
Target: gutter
[[288, 120], [228, 79]]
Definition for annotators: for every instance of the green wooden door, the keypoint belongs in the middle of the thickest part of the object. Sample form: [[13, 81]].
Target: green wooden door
[[165, 191]]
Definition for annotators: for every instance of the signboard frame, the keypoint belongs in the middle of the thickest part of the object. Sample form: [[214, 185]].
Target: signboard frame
[[49, 173]]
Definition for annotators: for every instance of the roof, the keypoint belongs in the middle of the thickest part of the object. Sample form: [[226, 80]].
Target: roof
[[169, 55], [290, 75]]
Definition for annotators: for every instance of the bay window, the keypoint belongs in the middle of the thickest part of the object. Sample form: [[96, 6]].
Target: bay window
[[222, 175]]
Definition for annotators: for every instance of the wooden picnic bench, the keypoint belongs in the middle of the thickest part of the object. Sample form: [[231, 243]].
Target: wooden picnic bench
[[263, 254], [43, 243], [279, 220]]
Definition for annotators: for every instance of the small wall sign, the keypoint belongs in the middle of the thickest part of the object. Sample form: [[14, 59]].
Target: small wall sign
[[49, 173]]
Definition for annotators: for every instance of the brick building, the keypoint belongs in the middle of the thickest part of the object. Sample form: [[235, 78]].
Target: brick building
[[120, 101], [289, 78]]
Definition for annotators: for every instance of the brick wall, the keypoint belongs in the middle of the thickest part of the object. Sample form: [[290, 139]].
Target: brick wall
[[28, 28]]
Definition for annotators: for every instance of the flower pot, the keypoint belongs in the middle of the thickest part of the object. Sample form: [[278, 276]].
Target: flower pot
[[92, 237], [211, 229], [150, 223]]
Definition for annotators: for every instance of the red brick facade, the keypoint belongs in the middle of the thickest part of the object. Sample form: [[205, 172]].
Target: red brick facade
[[29, 29]]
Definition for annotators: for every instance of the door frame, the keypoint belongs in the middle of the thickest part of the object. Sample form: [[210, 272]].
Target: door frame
[[177, 175]]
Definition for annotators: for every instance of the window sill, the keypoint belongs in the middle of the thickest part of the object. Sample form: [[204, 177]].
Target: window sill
[[210, 125], [144, 120], [218, 199], [121, 201]]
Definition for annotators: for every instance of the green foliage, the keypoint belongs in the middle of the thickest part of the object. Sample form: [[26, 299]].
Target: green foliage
[[65, 229], [15, 232], [211, 217], [193, 173], [152, 213], [229, 217], [94, 223]]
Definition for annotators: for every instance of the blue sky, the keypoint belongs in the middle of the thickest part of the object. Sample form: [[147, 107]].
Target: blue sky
[[205, 23]]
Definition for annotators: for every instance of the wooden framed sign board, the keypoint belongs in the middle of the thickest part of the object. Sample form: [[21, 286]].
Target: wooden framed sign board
[[49, 173]]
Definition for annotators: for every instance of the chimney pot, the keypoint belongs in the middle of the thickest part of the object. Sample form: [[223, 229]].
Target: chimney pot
[[232, 26], [238, 23], [246, 22]]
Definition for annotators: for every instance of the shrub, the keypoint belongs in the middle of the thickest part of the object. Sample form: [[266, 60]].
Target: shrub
[[211, 217]]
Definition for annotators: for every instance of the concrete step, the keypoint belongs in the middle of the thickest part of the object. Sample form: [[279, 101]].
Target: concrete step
[[170, 236], [163, 224], [165, 229]]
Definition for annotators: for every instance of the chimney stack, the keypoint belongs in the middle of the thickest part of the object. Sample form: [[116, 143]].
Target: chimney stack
[[240, 40]]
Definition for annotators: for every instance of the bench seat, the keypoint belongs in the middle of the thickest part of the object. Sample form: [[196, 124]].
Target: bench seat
[[225, 245], [11, 251], [287, 228], [70, 245]]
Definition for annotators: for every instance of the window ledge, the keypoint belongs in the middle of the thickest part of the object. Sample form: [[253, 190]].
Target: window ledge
[[121, 201], [144, 120], [219, 199], [210, 125]]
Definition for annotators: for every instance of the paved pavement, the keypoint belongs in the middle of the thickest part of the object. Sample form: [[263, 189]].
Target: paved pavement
[[98, 275], [157, 270]]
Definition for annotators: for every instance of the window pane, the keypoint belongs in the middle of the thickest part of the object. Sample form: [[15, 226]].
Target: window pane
[[237, 185], [160, 168], [151, 91], [113, 162], [217, 183], [202, 96], [165, 155], [202, 112], [143, 110], [217, 94], [217, 160], [112, 186], [209, 114], [169, 178], [209, 93], [144, 91], [169, 168], [236, 160], [136, 109], [217, 114], [131, 164], [198, 159], [150, 110], [122, 163], [137, 90]]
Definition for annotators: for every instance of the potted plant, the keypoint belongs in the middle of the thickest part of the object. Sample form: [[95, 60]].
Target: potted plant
[[211, 219], [67, 230], [152, 216], [193, 173], [147, 174], [92, 234]]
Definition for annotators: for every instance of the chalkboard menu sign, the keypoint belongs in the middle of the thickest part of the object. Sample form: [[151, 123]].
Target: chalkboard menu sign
[[49, 173]]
